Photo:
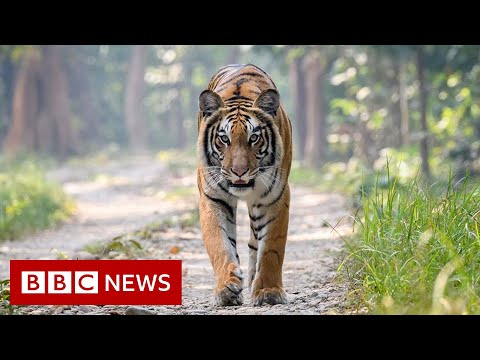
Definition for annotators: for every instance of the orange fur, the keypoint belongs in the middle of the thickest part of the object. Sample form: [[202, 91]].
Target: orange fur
[[245, 153]]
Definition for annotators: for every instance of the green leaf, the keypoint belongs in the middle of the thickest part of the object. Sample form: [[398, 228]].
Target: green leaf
[[116, 245], [136, 244]]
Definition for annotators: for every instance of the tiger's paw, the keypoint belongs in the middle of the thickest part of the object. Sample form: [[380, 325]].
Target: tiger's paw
[[230, 293], [271, 296]]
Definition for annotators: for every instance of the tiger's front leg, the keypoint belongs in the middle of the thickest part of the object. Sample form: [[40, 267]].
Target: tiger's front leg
[[269, 223], [217, 220]]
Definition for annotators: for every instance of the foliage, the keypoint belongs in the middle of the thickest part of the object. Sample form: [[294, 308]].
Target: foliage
[[362, 88], [5, 307], [29, 201], [334, 176], [126, 246], [416, 251]]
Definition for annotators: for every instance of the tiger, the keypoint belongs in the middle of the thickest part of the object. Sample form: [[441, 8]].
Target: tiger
[[244, 154]]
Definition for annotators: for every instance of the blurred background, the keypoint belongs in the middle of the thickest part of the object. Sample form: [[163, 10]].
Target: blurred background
[[102, 139], [354, 108], [348, 104]]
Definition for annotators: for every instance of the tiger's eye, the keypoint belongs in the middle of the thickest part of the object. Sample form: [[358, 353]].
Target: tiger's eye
[[224, 139], [254, 138]]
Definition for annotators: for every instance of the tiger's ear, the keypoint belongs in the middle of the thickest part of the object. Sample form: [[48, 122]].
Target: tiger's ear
[[209, 102], [268, 101]]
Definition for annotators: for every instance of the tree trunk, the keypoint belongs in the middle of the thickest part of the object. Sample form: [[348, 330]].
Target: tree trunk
[[41, 116], [84, 104], [57, 102], [233, 54], [315, 146], [135, 88], [189, 121], [178, 115], [7, 70], [423, 111], [25, 106], [297, 84], [366, 146], [403, 125]]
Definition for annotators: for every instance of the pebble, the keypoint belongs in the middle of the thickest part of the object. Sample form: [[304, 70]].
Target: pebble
[[271, 312], [85, 308], [307, 312], [195, 312], [37, 312], [134, 310], [84, 255]]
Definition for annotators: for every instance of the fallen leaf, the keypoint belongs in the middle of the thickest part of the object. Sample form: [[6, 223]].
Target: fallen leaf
[[174, 250]]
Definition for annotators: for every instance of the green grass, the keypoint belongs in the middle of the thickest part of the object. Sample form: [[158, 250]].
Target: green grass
[[416, 249], [28, 201], [5, 307]]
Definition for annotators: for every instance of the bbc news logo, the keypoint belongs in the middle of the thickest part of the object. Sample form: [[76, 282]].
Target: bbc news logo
[[95, 282], [59, 282], [86, 282]]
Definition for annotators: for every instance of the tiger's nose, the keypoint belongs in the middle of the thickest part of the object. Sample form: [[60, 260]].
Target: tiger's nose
[[239, 170]]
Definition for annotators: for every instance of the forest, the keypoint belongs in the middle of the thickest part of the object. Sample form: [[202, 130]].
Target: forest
[[345, 102], [376, 123]]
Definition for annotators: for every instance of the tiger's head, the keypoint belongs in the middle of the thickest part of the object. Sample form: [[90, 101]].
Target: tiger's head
[[238, 143]]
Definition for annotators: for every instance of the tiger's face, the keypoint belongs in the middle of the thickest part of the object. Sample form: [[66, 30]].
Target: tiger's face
[[239, 143], [241, 146]]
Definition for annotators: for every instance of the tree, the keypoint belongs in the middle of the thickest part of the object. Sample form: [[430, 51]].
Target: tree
[[423, 111], [315, 141], [233, 54], [404, 123], [25, 104], [297, 83], [84, 95], [135, 88], [57, 115], [6, 90], [41, 115]]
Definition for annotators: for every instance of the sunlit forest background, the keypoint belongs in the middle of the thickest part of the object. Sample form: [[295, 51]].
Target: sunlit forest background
[[394, 128], [347, 103]]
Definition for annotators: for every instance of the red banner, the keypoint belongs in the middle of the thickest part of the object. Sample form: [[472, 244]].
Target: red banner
[[96, 282]]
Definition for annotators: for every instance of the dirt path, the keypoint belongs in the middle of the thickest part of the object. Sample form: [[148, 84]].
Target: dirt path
[[125, 196]]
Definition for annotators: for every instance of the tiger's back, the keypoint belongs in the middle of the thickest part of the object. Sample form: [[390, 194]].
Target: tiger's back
[[245, 153], [233, 81]]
